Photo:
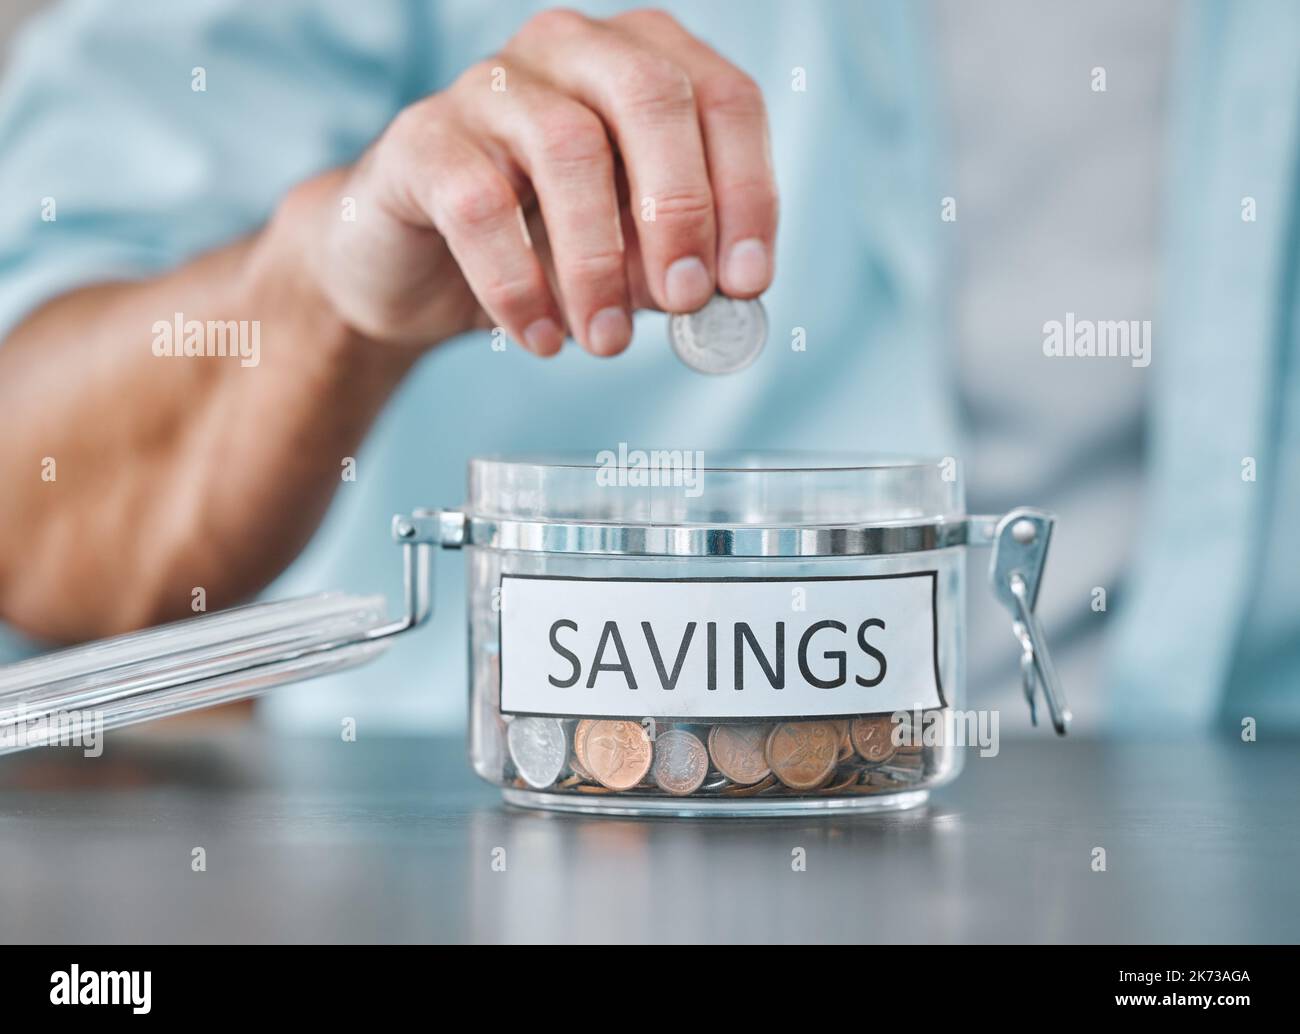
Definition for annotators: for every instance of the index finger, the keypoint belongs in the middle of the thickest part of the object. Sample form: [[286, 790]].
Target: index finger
[[647, 103]]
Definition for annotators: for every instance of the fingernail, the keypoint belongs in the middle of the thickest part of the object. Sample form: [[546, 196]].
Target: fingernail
[[747, 267], [609, 331], [687, 285], [544, 336]]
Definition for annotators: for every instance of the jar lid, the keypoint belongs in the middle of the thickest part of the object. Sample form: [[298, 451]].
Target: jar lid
[[630, 486], [186, 665]]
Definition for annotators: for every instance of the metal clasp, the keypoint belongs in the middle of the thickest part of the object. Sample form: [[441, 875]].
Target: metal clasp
[[1020, 540], [417, 535]]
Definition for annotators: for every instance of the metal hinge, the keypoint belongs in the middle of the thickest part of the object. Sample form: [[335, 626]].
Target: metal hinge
[[1020, 540]]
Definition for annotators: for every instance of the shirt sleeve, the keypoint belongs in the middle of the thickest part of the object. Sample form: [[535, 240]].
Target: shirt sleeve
[[135, 135]]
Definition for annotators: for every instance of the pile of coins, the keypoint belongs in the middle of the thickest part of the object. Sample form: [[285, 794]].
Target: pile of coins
[[600, 756]]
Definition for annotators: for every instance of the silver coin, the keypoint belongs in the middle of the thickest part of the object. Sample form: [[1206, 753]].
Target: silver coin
[[723, 337], [539, 749], [681, 762]]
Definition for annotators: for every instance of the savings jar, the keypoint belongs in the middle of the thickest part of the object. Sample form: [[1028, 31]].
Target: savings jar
[[664, 632]]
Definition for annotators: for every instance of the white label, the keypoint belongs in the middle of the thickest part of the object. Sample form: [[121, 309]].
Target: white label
[[709, 649]]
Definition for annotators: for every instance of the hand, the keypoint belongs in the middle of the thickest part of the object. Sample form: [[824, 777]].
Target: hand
[[591, 168]]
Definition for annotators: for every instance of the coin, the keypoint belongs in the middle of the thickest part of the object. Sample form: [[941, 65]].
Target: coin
[[873, 738], [802, 754], [580, 742], [538, 748], [681, 762], [579, 769], [737, 751], [723, 337], [846, 741], [843, 779], [618, 753], [766, 783], [900, 774]]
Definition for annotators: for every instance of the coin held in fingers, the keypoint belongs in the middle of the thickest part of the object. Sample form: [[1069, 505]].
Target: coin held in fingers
[[723, 337]]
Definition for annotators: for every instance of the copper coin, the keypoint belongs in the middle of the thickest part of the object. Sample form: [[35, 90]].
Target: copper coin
[[580, 742], [617, 753], [844, 778], [803, 754], [579, 769], [681, 762], [846, 740], [738, 752], [873, 738], [763, 784]]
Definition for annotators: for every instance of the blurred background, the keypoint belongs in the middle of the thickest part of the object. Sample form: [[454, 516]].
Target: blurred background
[[12, 14]]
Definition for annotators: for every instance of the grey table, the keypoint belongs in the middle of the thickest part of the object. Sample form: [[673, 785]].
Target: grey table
[[394, 840]]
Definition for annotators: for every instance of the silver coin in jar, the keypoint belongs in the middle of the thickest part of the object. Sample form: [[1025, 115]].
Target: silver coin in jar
[[539, 749]]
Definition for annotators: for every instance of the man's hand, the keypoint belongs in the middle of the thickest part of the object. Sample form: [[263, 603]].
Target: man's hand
[[635, 156]]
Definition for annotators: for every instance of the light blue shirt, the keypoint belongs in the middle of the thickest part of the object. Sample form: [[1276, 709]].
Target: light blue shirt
[[98, 113]]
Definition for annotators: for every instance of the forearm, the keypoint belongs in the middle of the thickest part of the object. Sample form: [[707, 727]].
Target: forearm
[[130, 478]]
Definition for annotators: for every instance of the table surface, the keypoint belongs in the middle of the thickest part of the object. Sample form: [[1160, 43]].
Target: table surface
[[394, 840]]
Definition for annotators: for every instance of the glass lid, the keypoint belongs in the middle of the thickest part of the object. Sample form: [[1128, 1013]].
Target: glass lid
[[624, 484], [186, 665]]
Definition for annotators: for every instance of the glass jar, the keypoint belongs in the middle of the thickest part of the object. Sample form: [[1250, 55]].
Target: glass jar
[[758, 633], [649, 633]]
